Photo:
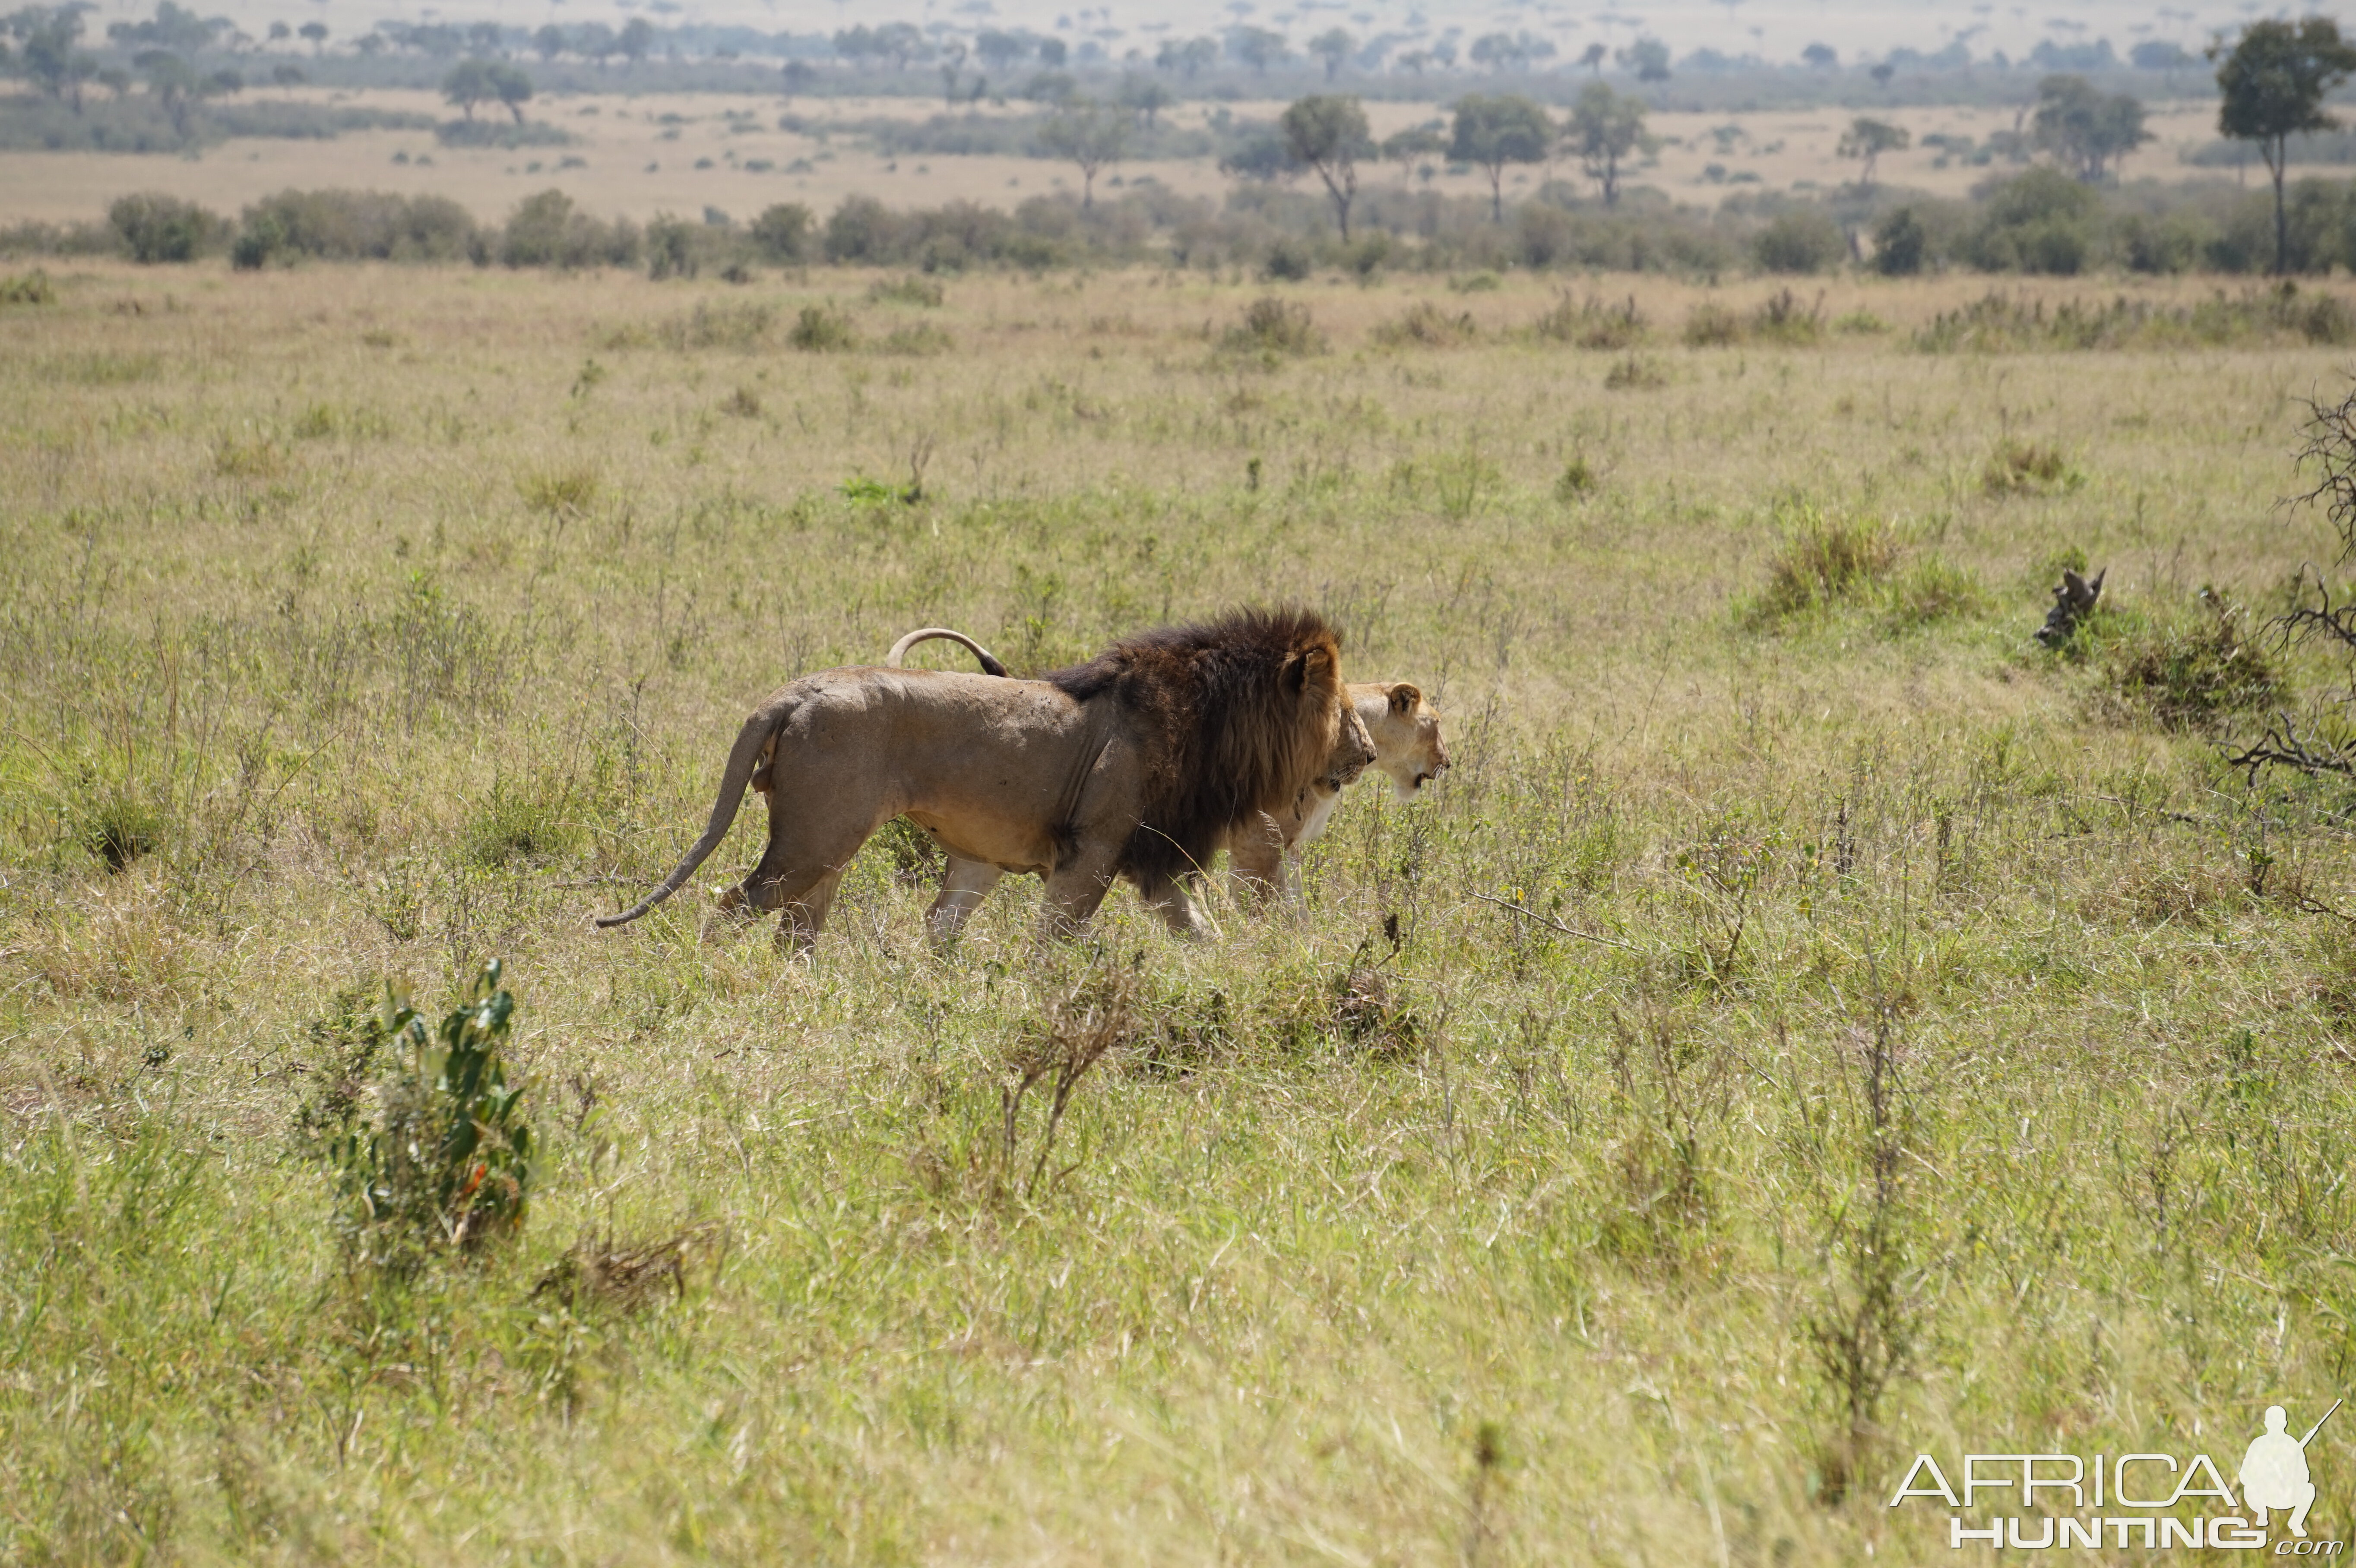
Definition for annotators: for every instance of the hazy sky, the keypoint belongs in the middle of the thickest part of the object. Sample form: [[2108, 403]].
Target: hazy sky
[[1775, 29]]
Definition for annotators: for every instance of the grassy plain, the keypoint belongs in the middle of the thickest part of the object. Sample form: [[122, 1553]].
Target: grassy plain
[[1961, 1071], [639, 156]]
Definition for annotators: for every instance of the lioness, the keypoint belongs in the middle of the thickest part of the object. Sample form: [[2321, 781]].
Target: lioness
[[1135, 765], [1405, 730]]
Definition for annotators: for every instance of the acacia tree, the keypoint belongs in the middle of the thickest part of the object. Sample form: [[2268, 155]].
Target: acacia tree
[[1083, 133], [470, 83], [1869, 139], [1494, 132], [1328, 132], [511, 88], [637, 40], [1404, 147], [1605, 127], [2272, 84], [1648, 57], [1335, 46], [2086, 129], [1258, 48]]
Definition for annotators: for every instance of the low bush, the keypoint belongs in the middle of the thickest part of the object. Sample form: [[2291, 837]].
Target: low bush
[[1823, 559], [1288, 261], [160, 228], [1712, 326], [1590, 324], [823, 329], [546, 230], [1804, 240], [1783, 318], [356, 225], [29, 288], [1930, 591], [446, 1162], [782, 232], [2183, 672], [1425, 323], [1272, 326]]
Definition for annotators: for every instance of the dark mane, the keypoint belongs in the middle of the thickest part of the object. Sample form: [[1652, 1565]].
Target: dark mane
[[1236, 715]]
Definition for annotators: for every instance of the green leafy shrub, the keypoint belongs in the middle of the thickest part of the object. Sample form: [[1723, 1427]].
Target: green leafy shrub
[[1804, 241], [1900, 244], [783, 232], [546, 230], [355, 225], [822, 329], [2041, 221], [157, 228], [1288, 261], [446, 1162]]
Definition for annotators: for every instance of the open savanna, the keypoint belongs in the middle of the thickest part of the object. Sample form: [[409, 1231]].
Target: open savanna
[[1966, 1067], [640, 156]]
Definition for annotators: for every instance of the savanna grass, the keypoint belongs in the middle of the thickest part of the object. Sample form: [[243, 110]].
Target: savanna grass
[[1870, 1034]]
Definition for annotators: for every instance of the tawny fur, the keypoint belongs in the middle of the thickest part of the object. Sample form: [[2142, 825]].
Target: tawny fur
[[1408, 750], [1135, 765]]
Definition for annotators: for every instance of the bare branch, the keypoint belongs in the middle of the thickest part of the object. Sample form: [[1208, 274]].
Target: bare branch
[[1558, 925]]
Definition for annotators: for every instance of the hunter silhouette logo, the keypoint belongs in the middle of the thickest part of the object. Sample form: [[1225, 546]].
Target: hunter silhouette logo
[[2037, 1502], [2274, 1472]]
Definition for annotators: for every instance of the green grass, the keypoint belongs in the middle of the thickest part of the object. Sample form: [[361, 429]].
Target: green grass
[[1901, 1039]]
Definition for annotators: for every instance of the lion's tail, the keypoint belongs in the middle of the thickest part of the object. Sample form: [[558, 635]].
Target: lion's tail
[[990, 665], [742, 758]]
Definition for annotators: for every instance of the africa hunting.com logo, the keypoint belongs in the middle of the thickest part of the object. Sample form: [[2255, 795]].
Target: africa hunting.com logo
[[2147, 1490]]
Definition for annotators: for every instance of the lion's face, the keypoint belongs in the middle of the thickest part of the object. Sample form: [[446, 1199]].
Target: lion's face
[[1354, 748], [1406, 731]]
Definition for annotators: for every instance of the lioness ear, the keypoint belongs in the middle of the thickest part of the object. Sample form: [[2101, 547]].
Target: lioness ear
[[1405, 699]]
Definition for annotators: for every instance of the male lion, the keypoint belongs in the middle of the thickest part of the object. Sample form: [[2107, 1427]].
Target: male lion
[[1135, 765], [1405, 730]]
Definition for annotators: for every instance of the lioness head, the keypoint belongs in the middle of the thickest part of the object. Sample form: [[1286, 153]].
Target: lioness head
[[1405, 730], [1354, 748]]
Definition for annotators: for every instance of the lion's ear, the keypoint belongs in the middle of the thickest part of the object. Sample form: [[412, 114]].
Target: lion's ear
[[1405, 699], [1318, 665], [1295, 673]]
